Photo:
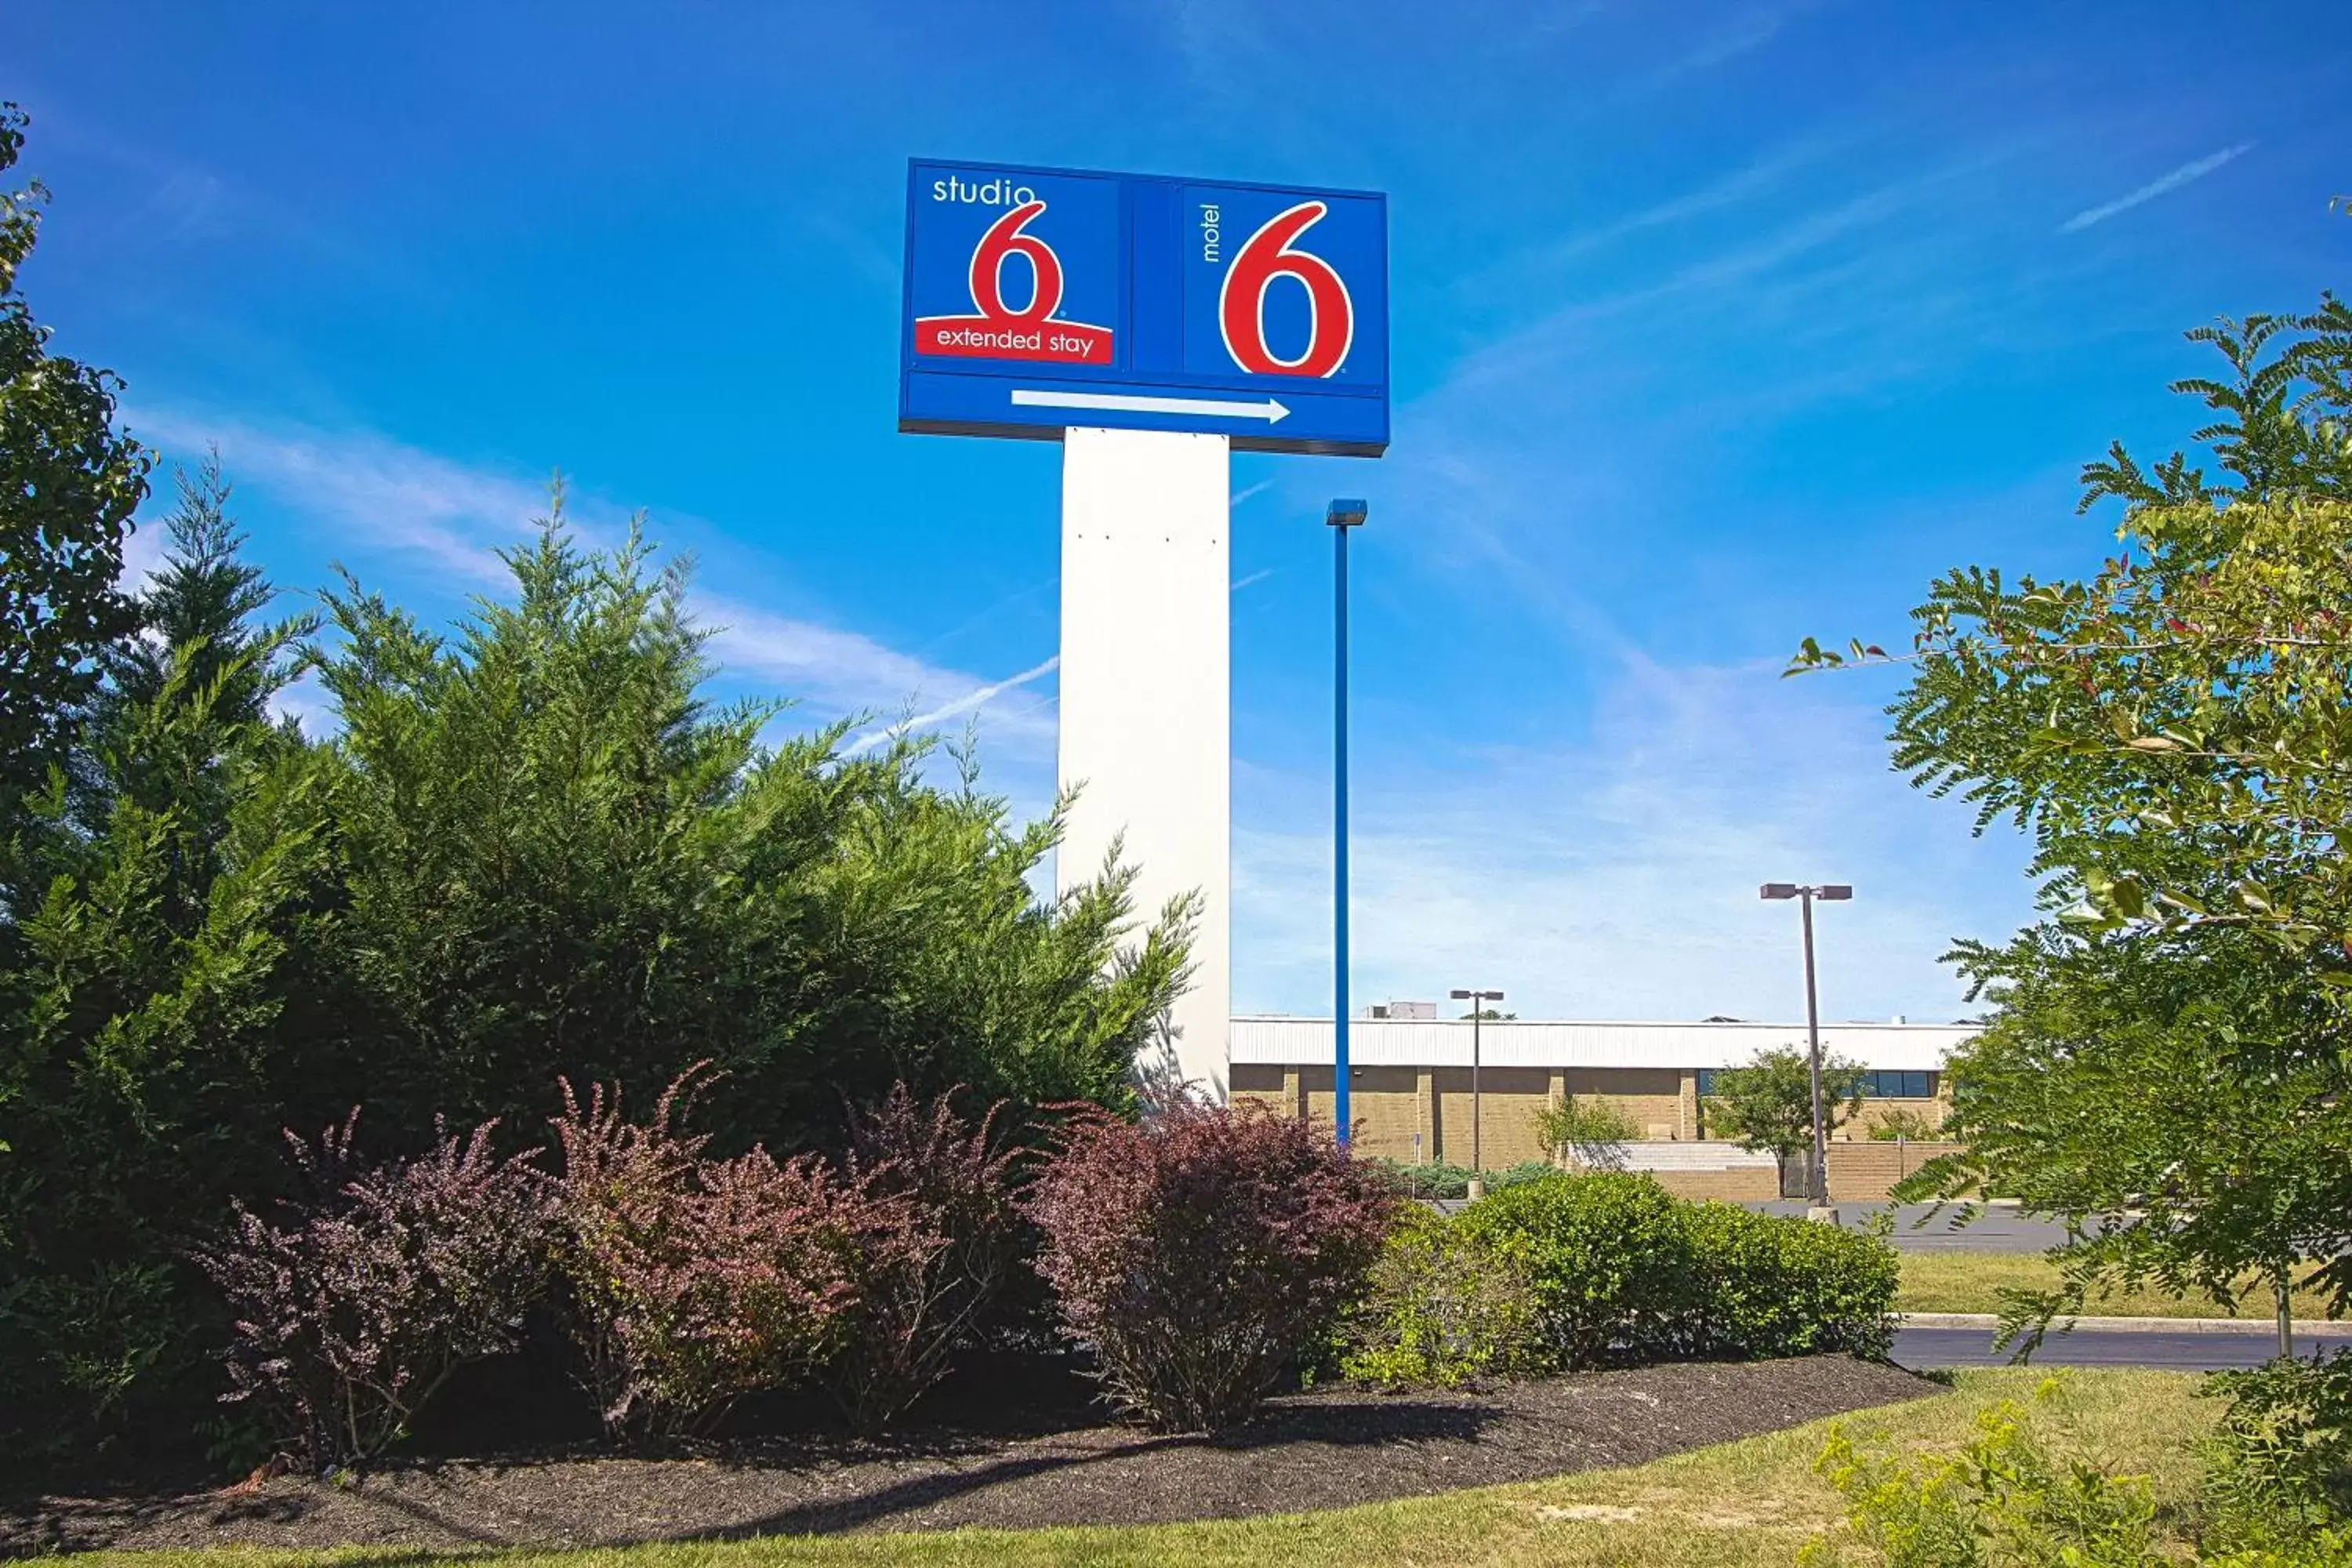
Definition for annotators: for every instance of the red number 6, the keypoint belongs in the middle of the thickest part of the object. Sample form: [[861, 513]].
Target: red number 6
[[1241, 303], [1004, 238]]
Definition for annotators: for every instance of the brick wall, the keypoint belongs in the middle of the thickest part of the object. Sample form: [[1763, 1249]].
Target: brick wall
[[1863, 1173]]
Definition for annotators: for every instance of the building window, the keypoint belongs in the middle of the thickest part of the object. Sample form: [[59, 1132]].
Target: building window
[[1888, 1085], [1706, 1081]]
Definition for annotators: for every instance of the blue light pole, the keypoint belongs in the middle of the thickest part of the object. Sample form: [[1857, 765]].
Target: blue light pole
[[1341, 516]]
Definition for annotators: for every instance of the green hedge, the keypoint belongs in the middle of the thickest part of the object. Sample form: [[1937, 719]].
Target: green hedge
[[1622, 1270]]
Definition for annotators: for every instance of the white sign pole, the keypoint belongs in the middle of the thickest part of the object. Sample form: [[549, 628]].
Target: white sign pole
[[1146, 727]]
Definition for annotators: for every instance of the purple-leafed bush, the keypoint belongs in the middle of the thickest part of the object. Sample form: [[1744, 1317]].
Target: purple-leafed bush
[[351, 1309], [696, 1281], [950, 1237], [1204, 1253]]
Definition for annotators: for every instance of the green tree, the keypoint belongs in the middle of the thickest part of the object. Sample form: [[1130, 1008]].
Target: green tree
[[68, 484], [561, 861], [1767, 1105], [528, 851], [2169, 1064], [156, 915]]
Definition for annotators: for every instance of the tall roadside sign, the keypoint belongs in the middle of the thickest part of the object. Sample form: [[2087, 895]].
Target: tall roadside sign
[[1151, 325]]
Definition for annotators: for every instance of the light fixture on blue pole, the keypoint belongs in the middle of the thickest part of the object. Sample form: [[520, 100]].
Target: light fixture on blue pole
[[1341, 516]]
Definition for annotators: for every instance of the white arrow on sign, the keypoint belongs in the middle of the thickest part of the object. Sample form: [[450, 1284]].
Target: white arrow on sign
[[1119, 402]]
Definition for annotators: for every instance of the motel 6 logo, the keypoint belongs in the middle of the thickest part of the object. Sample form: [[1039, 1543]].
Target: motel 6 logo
[[998, 330], [1272, 254]]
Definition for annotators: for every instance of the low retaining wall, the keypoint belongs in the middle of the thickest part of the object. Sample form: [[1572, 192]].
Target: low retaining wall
[[1859, 1172]]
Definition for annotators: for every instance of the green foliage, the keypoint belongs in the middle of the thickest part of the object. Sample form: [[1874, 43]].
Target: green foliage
[[564, 863], [2279, 1461], [2171, 1042], [1771, 1285], [531, 851], [2191, 1088], [1622, 1269], [152, 909], [2017, 1496], [1439, 1179], [1767, 1105], [1444, 1310], [2025, 1492], [1606, 1255], [1592, 1131], [1903, 1122], [68, 484]]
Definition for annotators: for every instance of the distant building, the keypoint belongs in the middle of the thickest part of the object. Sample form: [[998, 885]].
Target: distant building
[[1410, 1085], [1414, 1011]]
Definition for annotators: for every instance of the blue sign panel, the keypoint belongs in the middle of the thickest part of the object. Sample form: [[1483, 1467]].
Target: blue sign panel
[[1040, 299]]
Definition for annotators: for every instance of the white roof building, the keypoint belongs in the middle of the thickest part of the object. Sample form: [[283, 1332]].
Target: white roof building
[[1279, 1040]]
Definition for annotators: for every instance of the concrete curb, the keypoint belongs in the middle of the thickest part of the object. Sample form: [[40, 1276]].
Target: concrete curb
[[2320, 1327]]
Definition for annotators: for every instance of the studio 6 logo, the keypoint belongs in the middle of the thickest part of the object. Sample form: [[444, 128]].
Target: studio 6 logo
[[999, 330], [1264, 256]]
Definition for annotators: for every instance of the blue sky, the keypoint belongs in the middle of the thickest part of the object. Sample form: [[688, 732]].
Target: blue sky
[[1712, 328]]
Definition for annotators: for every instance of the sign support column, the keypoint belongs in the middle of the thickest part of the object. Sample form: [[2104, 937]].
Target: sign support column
[[1146, 730]]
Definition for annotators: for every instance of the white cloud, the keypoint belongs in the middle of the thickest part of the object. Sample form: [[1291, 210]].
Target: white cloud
[[969, 702], [2197, 169], [1617, 877], [394, 495], [378, 493]]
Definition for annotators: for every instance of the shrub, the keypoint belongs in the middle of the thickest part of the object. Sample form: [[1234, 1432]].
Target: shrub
[[1770, 1286], [2280, 1460], [925, 1286], [1592, 1132], [1443, 1309], [1607, 1256], [695, 1282], [1624, 1271], [349, 1313], [1204, 1253]]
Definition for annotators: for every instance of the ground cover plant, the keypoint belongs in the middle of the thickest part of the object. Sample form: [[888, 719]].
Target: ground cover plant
[[1205, 1253]]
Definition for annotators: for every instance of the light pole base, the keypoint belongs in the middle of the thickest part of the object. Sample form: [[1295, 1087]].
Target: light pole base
[[1823, 1214], [1478, 1188]]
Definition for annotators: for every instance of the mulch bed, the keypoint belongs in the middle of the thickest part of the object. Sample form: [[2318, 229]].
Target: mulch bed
[[1320, 1449]]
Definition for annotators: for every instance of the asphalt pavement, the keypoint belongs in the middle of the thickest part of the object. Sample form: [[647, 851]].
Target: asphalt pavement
[[1928, 1227], [1924, 1348]]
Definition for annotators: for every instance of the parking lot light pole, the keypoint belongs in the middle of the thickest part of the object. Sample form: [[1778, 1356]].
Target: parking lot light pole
[[1477, 1000], [1339, 517], [1817, 1188]]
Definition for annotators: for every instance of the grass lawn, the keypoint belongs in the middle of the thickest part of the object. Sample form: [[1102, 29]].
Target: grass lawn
[[1753, 1503], [1970, 1282]]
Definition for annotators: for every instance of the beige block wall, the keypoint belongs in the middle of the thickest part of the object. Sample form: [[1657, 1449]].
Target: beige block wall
[[1423, 1114], [1866, 1173], [1873, 1111], [1391, 1105], [1749, 1185]]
